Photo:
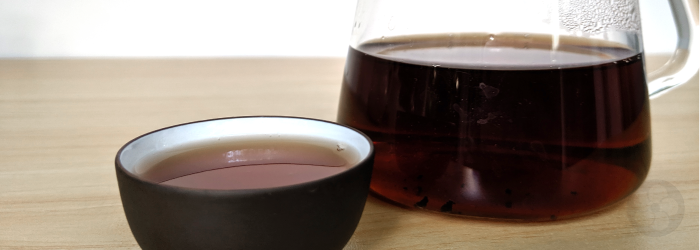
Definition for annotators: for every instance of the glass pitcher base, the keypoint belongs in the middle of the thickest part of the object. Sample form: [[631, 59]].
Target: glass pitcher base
[[527, 191]]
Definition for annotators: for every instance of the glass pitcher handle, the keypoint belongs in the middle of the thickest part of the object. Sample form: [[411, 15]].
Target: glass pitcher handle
[[684, 63]]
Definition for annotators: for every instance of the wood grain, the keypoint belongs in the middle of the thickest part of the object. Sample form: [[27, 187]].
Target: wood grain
[[62, 122]]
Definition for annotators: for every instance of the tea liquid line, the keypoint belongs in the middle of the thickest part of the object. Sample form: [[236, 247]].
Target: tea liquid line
[[249, 163]]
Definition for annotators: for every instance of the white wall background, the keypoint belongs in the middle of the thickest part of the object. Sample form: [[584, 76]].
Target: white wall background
[[209, 28]]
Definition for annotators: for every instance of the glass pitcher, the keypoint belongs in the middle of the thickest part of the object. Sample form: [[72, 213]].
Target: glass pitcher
[[510, 109]]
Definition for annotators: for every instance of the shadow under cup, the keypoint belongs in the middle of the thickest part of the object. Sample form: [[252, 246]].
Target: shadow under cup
[[315, 214]]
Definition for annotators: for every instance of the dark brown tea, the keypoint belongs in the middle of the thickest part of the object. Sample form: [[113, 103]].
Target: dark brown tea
[[249, 163], [507, 126]]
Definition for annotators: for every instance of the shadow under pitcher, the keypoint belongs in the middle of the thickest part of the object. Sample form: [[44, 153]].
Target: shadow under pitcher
[[542, 118]]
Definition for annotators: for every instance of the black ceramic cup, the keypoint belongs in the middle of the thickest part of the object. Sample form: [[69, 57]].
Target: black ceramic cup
[[319, 214]]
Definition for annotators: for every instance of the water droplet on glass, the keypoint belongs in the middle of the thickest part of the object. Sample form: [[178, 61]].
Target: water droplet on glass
[[491, 37]]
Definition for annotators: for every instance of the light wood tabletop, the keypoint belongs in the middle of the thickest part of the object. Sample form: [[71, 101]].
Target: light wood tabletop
[[62, 122]]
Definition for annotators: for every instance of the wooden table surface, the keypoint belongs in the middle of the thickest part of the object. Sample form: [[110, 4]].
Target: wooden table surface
[[62, 122]]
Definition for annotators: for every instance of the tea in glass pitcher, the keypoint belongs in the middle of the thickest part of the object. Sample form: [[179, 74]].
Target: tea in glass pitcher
[[540, 120]]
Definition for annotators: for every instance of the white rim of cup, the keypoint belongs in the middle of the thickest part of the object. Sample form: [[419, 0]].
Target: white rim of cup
[[140, 148]]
